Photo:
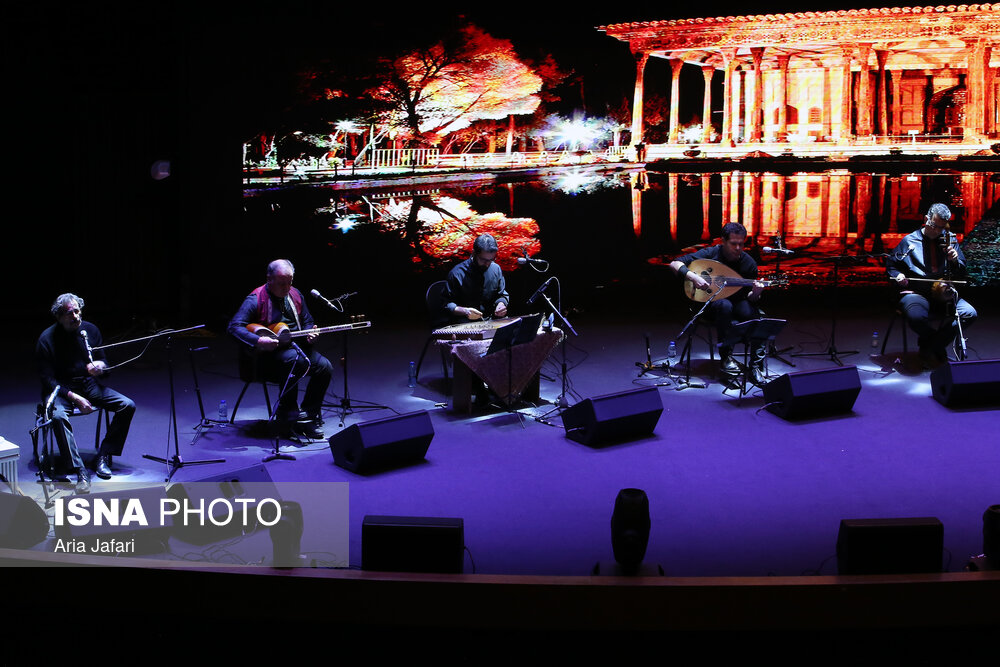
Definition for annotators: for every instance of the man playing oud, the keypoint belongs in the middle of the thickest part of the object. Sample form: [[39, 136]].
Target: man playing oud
[[276, 301], [737, 307]]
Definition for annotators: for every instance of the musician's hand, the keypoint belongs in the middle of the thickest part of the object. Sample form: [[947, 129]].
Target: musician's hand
[[470, 313], [96, 368], [500, 310], [310, 337], [82, 404], [952, 254], [266, 344], [699, 282], [901, 280], [758, 287]]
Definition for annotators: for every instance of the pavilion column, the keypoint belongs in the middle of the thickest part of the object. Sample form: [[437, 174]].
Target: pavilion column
[[757, 114], [782, 98], [729, 56], [706, 116], [883, 100], [675, 93], [990, 128], [864, 92], [897, 108], [844, 133], [739, 128], [975, 82], [640, 69]]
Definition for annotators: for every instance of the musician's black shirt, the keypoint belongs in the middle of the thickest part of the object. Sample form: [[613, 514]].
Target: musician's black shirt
[[744, 265], [471, 288], [61, 357]]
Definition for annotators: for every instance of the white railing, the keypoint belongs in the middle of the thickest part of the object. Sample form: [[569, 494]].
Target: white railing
[[381, 158]]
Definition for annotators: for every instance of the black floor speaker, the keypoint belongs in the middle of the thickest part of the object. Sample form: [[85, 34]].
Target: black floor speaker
[[614, 417], [23, 523], [960, 383], [412, 544], [249, 482], [890, 546], [807, 394], [383, 443]]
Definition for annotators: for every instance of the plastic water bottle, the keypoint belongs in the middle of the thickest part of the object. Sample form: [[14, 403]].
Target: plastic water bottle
[[412, 380], [223, 411], [875, 340], [672, 350]]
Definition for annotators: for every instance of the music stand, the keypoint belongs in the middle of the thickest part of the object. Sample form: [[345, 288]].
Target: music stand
[[760, 331]]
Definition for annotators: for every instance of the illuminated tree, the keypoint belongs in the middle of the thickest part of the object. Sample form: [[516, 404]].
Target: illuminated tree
[[446, 87]]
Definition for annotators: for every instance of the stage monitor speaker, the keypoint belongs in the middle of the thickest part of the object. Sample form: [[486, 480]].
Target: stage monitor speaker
[[250, 482], [809, 394], [961, 383], [890, 546], [412, 544], [23, 523], [113, 515], [383, 443], [614, 417]]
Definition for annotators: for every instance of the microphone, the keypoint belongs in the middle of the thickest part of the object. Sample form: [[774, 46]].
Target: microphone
[[49, 401], [768, 250], [329, 303], [532, 261], [538, 292]]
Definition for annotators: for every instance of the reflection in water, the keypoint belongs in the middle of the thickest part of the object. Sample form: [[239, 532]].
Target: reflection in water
[[606, 229]]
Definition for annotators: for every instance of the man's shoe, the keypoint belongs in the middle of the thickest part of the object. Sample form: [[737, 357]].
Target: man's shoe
[[82, 481], [729, 365], [308, 430], [103, 468]]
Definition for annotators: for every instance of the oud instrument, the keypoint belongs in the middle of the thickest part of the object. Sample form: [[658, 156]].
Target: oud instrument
[[723, 281], [284, 335]]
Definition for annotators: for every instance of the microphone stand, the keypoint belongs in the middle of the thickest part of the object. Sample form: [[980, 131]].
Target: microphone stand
[[562, 403], [831, 350], [175, 462], [346, 405], [772, 349]]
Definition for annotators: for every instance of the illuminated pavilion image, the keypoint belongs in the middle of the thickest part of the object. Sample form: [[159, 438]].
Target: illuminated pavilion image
[[519, 425], [834, 78]]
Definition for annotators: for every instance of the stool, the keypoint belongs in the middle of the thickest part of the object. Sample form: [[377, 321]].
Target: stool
[[896, 314], [46, 450], [249, 375]]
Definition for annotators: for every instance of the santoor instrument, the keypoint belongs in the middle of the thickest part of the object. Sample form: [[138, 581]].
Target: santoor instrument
[[476, 330]]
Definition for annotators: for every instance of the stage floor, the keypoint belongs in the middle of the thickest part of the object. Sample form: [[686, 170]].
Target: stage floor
[[733, 489]]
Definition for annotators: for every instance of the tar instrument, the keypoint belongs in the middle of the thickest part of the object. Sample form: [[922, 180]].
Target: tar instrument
[[280, 331], [475, 330], [723, 281]]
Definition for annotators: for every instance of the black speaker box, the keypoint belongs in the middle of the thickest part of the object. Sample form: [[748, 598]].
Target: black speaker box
[[145, 539], [614, 417], [412, 544], [23, 523], [249, 482], [808, 394], [959, 383], [383, 443], [890, 546]]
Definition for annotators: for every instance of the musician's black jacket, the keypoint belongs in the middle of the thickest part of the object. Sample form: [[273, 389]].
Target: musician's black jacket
[[248, 314], [912, 258], [470, 287], [62, 357], [744, 265]]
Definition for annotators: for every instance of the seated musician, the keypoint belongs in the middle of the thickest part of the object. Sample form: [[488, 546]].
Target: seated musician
[[476, 287], [273, 302], [738, 307], [921, 257], [70, 367]]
